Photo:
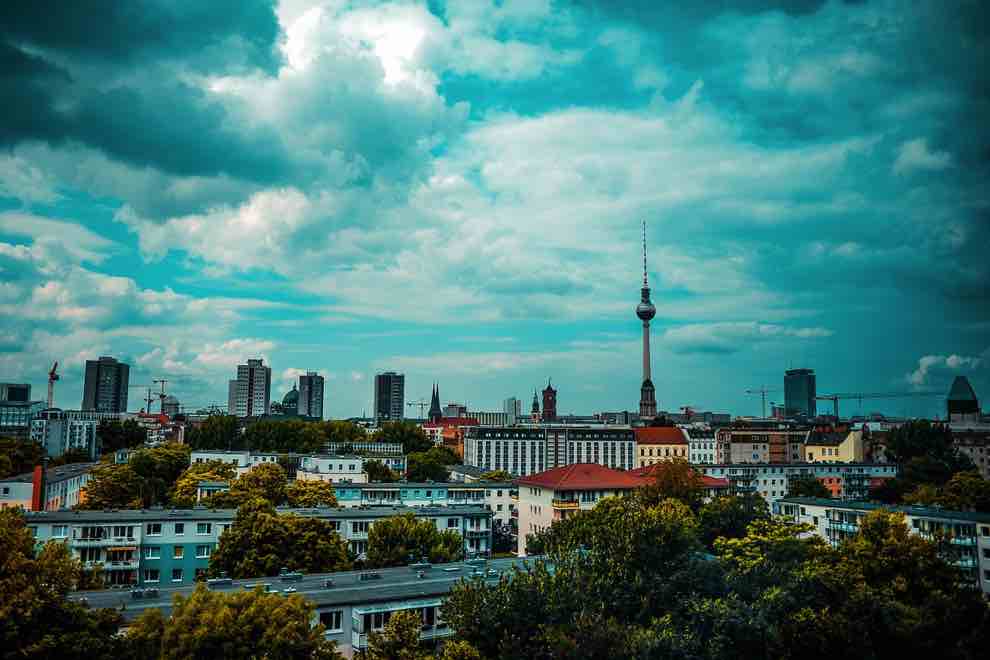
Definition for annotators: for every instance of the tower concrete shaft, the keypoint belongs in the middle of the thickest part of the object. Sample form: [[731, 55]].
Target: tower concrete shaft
[[646, 311]]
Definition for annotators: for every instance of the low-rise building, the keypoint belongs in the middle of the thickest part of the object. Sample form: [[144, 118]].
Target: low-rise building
[[496, 496], [701, 444], [157, 547], [835, 447], [968, 533], [530, 449], [660, 443], [351, 605], [556, 494], [771, 481], [760, 441], [976, 445], [334, 469], [63, 487]]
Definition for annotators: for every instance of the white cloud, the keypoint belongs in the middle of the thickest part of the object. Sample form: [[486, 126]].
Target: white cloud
[[915, 155], [930, 367], [730, 337]]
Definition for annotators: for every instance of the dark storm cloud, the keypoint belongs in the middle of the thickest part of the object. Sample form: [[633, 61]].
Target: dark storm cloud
[[212, 35], [25, 83]]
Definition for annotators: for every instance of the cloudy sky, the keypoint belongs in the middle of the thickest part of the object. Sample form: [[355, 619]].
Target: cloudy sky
[[455, 190]]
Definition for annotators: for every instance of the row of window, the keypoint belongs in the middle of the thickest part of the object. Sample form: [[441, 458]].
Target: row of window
[[178, 552], [155, 529]]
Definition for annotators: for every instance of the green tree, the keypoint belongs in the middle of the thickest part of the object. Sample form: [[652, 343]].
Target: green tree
[[36, 620], [116, 434], [397, 540], [215, 432], [458, 650], [309, 493], [183, 493], [408, 434], [398, 640], [674, 479], [113, 486], [430, 465], [21, 456], [267, 481], [252, 624], [729, 517], [807, 487], [262, 542], [344, 431], [378, 472], [966, 491]]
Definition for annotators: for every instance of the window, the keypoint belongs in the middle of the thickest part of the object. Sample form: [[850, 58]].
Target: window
[[178, 552], [6, 490], [359, 526], [154, 529], [204, 528], [151, 575], [180, 529], [176, 575], [202, 551], [984, 530], [152, 552], [332, 620], [60, 531]]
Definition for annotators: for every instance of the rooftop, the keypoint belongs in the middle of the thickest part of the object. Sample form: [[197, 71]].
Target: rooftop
[[396, 584], [961, 390], [55, 474], [660, 435], [826, 438], [651, 470], [922, 511], [581, 476]]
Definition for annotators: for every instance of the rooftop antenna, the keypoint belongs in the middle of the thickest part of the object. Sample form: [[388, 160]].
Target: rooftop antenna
[[645, 283]]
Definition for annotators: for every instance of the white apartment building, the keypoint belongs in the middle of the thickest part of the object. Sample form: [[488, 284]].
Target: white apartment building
[[335, 469], [59, 431], [62, 488], [969, 533], [701, 444], [770, 480], [530, 449], [250, 394], [559, 493]]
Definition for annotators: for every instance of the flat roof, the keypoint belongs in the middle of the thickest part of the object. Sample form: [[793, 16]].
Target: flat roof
[[154, 515], [396, 584], [54, 475], [923, 511], [473, 485]]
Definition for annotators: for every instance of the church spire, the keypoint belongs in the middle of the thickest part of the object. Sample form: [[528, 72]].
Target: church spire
[[435, 411]]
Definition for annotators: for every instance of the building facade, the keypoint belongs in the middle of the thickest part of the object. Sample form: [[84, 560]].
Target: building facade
[[976, 445], [496, 496], [105, 385], [701, 444], [250, 394], [660, 443], [523, 450], [311, 395], [63, 487], [390, 396], [559, 493], [549, 403], [16, 416], [771, 481], [59, 431], [761, 442], [171, 548], [832, 447], [968, 533], [512, 407], [799, 393]]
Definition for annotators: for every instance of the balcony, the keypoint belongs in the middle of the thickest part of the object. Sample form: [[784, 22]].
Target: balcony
[[965, 562], [565, 505], [128, 564], [963, 540], [843, 526]]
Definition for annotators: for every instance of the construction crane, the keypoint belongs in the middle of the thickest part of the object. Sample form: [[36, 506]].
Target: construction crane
[[161, 395], [423, 404], [52, 377], [763, 391], [859, 396]]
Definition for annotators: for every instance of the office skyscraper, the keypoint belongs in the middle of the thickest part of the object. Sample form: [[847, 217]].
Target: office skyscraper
[[513, 410], [390, 396], [250, 394], [105, 385], [311, 395], [799, 393]]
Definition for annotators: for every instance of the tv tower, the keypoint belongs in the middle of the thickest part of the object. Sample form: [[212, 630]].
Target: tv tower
[[646, 311]]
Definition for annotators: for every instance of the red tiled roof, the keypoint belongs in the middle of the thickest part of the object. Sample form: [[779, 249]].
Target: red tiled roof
[[648, 471], [581, 476], [660, 435], [445, 422]]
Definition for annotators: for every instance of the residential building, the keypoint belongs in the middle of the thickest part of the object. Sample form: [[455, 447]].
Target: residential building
[[466, 474], [62, 487], [513, 410], [350, 605], [390, 396], [449, 432], [311, 395], [161, 548], [760, 442], [59, 431], [489, 417], [529, 449], [968, 533], [660, 443], [835, 446], [325, 467], [771, 480], [334, 469], [250, 394], [16, 416], [701, 444], [388, 453], [712, 487], [499, 497], [976, 445], [799, 393], [558, 493], [105, 385]]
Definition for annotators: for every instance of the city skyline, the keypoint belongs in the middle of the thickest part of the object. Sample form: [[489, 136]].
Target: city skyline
[[456, 193]]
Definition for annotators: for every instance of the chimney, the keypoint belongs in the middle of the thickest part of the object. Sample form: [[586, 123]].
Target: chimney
[[39, 495]]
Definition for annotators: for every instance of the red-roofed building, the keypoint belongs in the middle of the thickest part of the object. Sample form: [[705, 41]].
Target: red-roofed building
[[449, 432], [660, 443], [558, 493]]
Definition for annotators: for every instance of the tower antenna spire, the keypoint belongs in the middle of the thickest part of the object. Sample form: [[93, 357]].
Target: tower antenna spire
[[644, 254]]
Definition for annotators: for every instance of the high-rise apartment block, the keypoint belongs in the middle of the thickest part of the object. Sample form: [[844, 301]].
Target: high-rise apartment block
[[513, 410], [311, 395], [390, 396], [250, 394], [105, 387], [799, 393]]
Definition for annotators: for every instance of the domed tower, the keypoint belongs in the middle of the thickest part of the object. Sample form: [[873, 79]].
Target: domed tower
[[290, 402], [646, 311]]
